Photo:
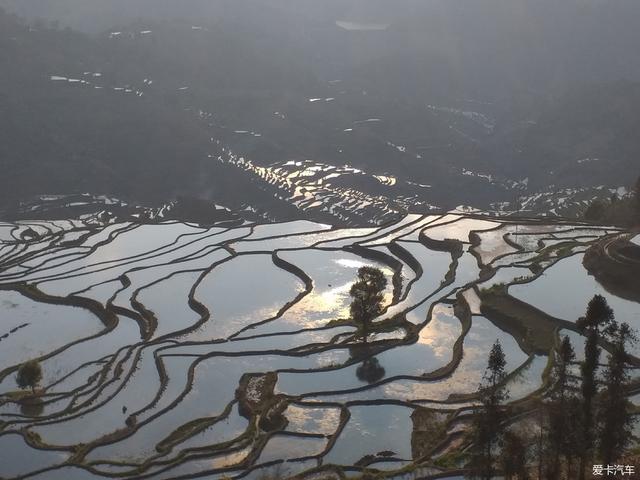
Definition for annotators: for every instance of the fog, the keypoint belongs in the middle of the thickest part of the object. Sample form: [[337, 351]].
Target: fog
[[487, 45], [514, 91], [309, 239]]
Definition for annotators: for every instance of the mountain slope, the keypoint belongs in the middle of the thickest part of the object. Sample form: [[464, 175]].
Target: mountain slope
[[288, 111]]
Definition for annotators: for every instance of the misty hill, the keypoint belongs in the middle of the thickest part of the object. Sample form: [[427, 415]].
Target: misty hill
[[55, 135], [79, 115], [425, 106], [586, 135], [489, 49]]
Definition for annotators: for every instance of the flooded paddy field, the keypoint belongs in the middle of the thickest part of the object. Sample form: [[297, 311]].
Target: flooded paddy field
[[171, 350]]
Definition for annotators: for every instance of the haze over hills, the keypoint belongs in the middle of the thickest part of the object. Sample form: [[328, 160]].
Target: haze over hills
[[319, 239], [431, 105]]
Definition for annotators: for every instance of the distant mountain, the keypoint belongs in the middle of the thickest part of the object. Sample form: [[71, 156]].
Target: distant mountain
[[79, 114], [487, 49], [451, 103], [588, 136]]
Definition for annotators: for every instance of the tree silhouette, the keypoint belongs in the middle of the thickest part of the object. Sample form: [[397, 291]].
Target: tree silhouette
[[599, 315], [32, 407], [514, 457], [615, 422], [562, 433], [29, 375], [488, 429], [367, 295], [370, 371]]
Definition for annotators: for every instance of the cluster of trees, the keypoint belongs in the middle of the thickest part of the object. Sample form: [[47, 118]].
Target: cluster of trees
[[615, 210], [581, 419]]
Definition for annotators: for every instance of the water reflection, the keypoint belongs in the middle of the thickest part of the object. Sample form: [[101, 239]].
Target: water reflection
[[370, 371], [32, 407], [315, 367], [549, 293]]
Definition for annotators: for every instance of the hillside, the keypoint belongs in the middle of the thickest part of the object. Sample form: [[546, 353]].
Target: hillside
[[319, 239], [80, 116], [153, 109], [585, 137], [62, 135]]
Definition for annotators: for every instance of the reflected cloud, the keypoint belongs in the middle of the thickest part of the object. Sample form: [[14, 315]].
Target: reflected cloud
[[231, 459], [441, 332], [312, 420]]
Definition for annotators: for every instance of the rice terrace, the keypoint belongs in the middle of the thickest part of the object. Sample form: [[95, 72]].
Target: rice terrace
[[169, 350], [319, 239]]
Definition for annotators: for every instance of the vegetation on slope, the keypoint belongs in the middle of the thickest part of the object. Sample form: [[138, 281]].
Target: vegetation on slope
[[576, 424], [616, 211]]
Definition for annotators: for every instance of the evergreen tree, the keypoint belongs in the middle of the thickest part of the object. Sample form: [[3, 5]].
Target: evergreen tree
[[368, 297], [514, 457], [571, 446], [488, 428], [561, 434], [615, 421], [599, 315]]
